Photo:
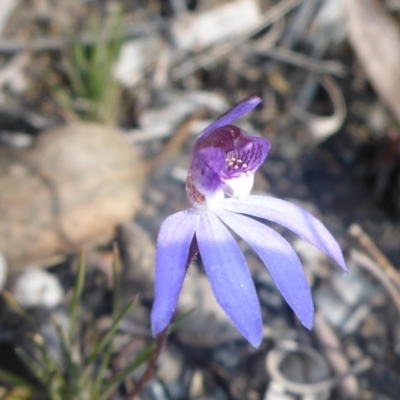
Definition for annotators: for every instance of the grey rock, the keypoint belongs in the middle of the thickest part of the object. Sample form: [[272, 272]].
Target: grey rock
[[208, 325]]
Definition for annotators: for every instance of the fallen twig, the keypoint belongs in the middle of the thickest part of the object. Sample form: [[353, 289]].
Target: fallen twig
[[56, 43], [369, 246], [322, 127], [308, 63], [332, 349], [272, 15], [380, 274]]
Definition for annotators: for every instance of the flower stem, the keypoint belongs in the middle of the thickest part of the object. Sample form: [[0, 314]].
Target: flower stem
[[148, 374]]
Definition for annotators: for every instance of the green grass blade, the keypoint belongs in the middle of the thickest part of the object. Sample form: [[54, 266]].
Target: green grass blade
[[179, 321], [13, 304], [15, 380], [105, 341], [34, 367], [113, 383], [108, 337], [116, 269], [66, 347], [75, 66], [79, 283], [48, 362]]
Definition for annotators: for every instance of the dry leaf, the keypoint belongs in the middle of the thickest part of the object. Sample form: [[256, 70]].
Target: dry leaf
[[375, 37]]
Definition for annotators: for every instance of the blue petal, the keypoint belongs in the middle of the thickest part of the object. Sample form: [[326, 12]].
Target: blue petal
[[292, 217], [173, 244], [230, 278], [206, 166], [238, 110], [280, 259]]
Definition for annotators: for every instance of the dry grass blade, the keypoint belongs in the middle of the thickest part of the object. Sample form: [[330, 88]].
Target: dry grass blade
[[369, 246], [332, 349], [323, 127], [13, 304], [271, 16], [380, 274], [308, 63], [7, 8], [56, 43]]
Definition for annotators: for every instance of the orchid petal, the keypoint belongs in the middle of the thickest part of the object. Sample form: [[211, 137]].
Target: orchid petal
[[280, 259], [173, 244], [230, 278], [238, 110], [206, 166], [290, 216]]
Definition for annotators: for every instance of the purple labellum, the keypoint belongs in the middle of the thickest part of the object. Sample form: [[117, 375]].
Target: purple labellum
[[224, 163]]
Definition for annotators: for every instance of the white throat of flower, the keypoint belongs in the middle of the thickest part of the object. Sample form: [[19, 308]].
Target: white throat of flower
[[239, 186], [236, 187], [214, 199]]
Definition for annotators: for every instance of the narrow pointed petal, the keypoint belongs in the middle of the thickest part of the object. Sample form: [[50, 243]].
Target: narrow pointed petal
[[280, 259], [237, 111], [173, 244], [292, 217], [230, 278]]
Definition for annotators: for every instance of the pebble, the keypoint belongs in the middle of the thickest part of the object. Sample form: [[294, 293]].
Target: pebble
[[170, 368], [36, 288], [353, 288], [208, 326], [154, 390], [331, 305]]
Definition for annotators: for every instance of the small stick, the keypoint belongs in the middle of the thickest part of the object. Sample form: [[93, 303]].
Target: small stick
[[332, 349], [308, 63], [375, 269], [273, 15], [148, 374], [57, 43], [369, 246]]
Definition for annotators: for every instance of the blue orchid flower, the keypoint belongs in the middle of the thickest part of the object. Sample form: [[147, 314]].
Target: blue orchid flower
[[219, 180]]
